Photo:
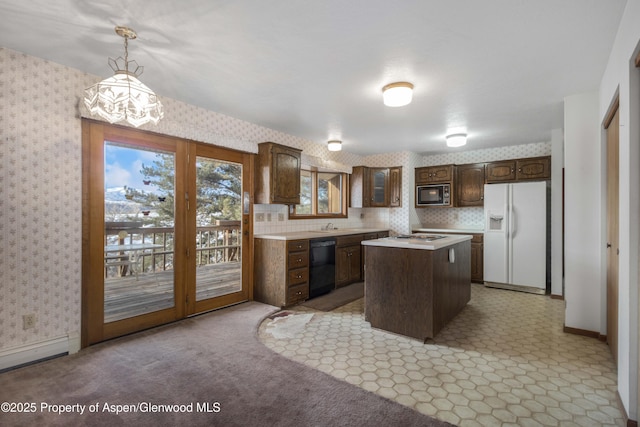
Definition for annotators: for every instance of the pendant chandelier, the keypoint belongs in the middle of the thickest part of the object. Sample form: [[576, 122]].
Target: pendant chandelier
[[123, 97]]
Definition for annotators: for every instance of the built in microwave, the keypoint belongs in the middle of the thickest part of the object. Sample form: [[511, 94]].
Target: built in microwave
[[433, 195]]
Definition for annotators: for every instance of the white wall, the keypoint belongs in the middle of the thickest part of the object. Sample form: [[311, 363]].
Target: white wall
[[583, 218], [557, 164], [621, 76]]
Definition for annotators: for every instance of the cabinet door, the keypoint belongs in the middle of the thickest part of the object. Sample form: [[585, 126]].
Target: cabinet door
[[477, 262], [379, 180], [359, 187], [355, 263], [343, 267], [470, 185], [441, 173], [501, 171], [422, 175], [285, 175], [534, 168], [395, 187]]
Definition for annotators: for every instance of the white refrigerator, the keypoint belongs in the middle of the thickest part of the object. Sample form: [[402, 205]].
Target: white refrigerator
[[515, 237]]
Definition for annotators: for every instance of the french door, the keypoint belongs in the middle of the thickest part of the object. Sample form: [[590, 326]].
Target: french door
[[166, 229]]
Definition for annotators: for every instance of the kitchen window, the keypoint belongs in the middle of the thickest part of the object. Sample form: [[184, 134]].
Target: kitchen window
[[322, 195]]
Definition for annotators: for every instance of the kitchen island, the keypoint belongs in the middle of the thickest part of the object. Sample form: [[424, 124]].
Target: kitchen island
[[416, 284]]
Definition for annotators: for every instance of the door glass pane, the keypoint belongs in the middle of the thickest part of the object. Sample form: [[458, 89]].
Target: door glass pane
[[218, 245], [378, 187], [139, 231], [329, 193]]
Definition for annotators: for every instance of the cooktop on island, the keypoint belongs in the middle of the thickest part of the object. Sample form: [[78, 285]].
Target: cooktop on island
[[427, 237]]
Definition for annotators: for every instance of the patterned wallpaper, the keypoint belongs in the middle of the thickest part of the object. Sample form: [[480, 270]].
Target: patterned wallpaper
[[40, 195], [473, 217]]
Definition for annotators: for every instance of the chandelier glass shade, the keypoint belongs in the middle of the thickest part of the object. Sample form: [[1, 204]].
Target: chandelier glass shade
[[122, 97]]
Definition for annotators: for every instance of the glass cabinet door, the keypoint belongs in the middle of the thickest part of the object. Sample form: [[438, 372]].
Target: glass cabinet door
[[379, 186]]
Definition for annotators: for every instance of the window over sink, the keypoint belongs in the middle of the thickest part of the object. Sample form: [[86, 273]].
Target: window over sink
[[322, 195]]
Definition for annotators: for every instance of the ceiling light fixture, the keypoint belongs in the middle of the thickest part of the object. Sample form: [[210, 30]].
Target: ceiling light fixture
[[123, 97], [334, 145], [456, 140], [397, 94]]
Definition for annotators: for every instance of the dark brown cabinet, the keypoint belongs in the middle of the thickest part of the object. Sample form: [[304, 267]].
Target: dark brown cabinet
[[533, 168], [502, 171], [277, 174], [477, 258], [281, 271], [348, 259], [395, 187], [470, 185], [375, 187], [434, 174]]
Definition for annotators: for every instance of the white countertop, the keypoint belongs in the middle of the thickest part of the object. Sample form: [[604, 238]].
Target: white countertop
[[417, 243], [315, 234]]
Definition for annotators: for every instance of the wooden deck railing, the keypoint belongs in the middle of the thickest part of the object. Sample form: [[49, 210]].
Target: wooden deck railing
[[214, 244]]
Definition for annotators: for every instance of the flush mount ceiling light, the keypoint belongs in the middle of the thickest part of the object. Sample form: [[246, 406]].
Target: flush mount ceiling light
[[397, 94], [123, 97], [334, 145], [456, 140]]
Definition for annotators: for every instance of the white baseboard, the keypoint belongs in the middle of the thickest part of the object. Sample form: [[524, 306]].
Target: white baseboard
[[19, 355]]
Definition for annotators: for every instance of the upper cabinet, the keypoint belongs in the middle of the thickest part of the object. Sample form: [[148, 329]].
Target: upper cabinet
[[533, 168], [434, 174], [502, 171], [395, 187], [375, 187], [470, 185], [277, 174]]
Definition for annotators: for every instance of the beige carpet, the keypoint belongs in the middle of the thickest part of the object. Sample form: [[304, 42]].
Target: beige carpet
[[337, 298], [198, 366]]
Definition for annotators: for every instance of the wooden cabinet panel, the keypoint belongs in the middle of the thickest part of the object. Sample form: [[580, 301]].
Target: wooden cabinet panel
[[277, 174], [374, 187], [348, 259], [395, 187], [297, 259], [501, 171], [298, 293], [533, 168], [434, 174], [477, 262], [298, 276], [470, 185], [281, 271]]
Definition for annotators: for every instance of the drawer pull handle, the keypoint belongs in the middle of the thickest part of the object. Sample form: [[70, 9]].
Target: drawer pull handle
[[299, 259], [299, 276]]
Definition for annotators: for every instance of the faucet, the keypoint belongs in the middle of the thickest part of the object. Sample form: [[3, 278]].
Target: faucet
[[328, 226]]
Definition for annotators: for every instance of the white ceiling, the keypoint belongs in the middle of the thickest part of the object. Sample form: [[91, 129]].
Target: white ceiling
[[314, 69]]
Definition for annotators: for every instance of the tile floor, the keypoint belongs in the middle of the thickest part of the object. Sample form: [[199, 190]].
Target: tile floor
[[503, 361]]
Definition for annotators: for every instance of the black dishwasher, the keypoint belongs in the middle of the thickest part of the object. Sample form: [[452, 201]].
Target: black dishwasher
[[322, 266]]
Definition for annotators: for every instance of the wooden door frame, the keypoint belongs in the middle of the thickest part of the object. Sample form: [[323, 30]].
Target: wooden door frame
[[94, 133], [612, 117]]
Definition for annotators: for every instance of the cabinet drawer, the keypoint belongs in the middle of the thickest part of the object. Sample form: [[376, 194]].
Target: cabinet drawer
[[297, 260], [477, 238], [370, 236], [297, 293], [298, 276], [298, 245], [349, 240]]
